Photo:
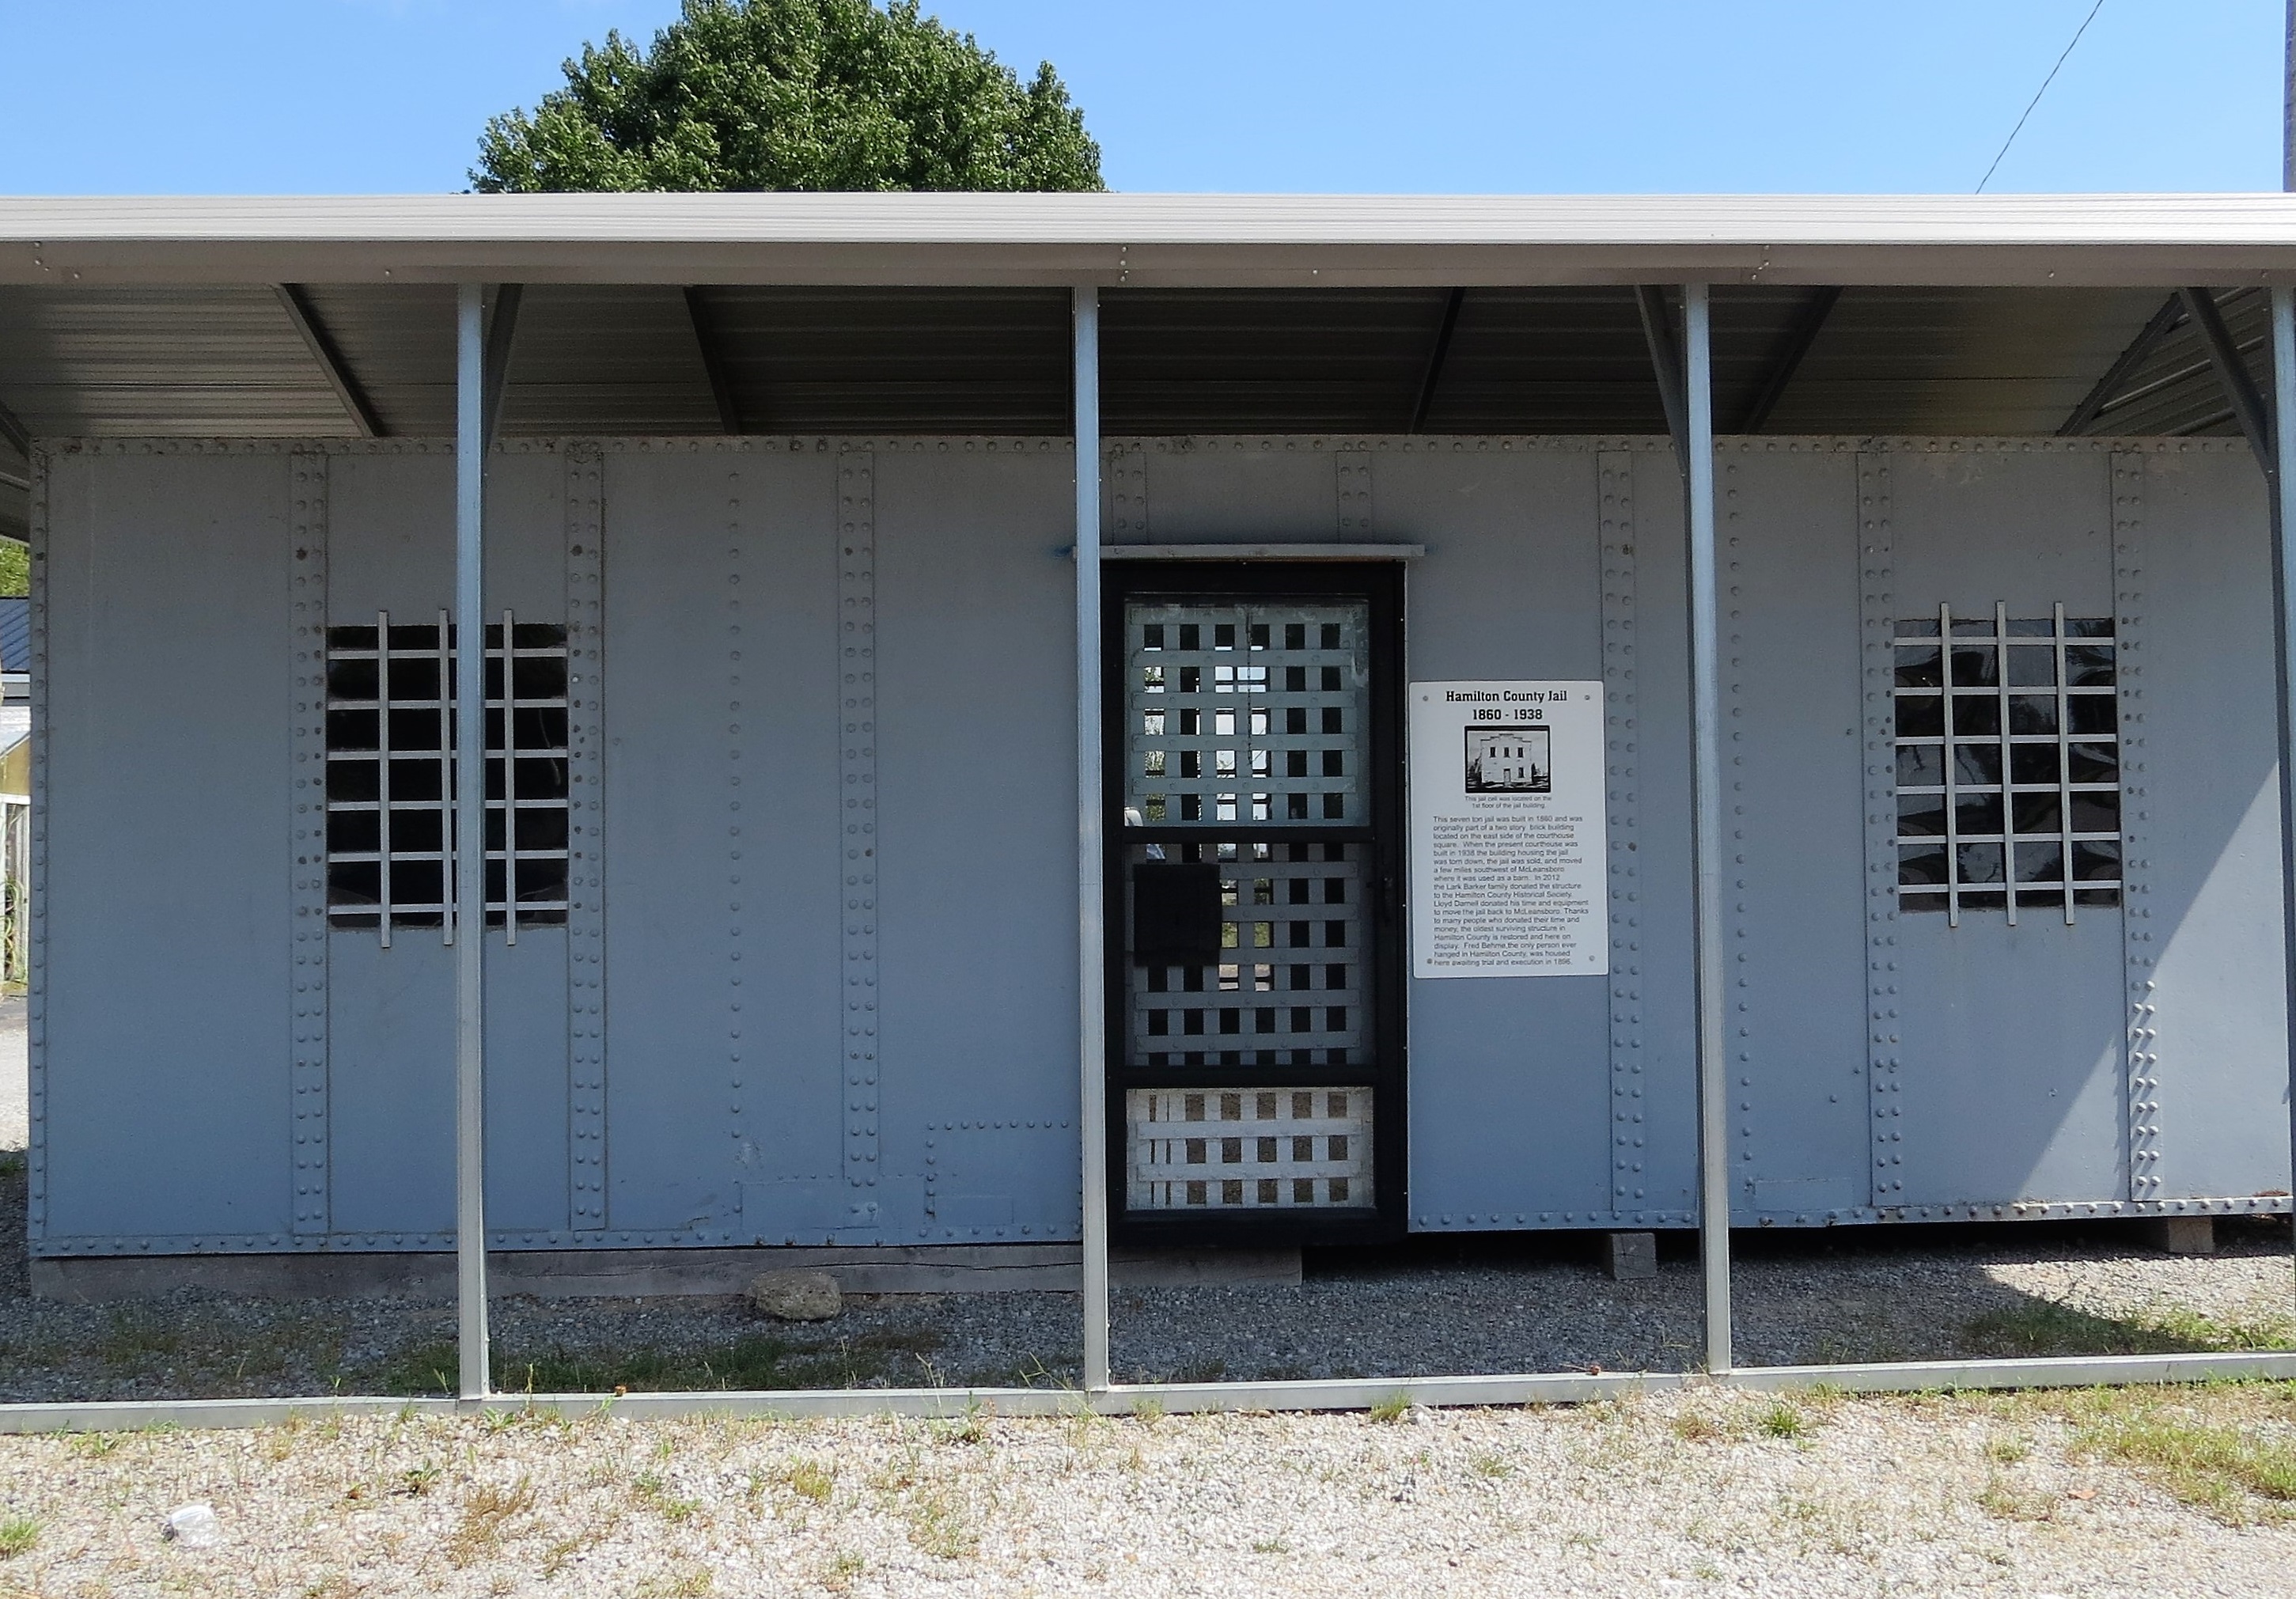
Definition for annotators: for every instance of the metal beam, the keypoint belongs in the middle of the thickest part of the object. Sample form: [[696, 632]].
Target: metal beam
[[1666, 359], [721, 385], [2283, 621], [1435, 357], [1092, 971], [296, 301], [2232, 373], [1788, 360], [2140, 350], [502, 336], [1706, 827], [473, 391]]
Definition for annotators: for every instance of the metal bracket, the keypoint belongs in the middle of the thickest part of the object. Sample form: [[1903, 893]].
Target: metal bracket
[[2232, 372]]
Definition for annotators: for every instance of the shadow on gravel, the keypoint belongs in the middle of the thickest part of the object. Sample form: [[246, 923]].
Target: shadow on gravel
[[1426, 1306]]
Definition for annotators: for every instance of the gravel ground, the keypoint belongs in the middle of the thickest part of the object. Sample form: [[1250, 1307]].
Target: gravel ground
[[1697, 1493], [1463, 1304]]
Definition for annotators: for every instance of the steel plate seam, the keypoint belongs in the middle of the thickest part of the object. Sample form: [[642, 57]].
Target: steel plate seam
[[856, 602], [36, 1004], [736, 1022], [1127, 465], [1615, 480], [1878, 628], [1741, 1015], [308, 889], [585, 907], [1352, 481], [2141, 1105]]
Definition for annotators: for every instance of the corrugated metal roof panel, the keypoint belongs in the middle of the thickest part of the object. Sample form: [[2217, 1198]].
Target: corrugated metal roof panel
[[15, 634]]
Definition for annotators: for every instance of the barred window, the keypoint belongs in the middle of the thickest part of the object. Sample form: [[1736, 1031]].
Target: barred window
[[2008, 764], [390, 792]]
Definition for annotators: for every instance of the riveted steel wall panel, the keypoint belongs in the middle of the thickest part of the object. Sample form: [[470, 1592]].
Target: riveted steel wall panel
[[1794, 812], [976, 780], [1222, 491], [166, 905], [2012, 1070], [722, 1110], [390, 1010], [2207, 1030], [1509, 1109]]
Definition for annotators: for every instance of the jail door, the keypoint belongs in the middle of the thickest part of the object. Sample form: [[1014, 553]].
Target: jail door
[[1255, 1037]]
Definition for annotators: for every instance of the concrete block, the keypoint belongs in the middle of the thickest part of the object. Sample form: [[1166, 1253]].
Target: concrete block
[[1631, 1257], [2182, 1234]]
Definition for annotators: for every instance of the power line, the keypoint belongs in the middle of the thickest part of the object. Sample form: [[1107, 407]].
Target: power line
[[2044, 89]]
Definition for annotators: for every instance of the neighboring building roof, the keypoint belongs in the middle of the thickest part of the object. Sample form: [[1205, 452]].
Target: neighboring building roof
[[15, 635]]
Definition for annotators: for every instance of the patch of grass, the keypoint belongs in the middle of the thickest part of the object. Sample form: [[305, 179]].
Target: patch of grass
[[1484, 1463], [2045, 1327], [417, 1480], [1391, 1409], [486, 1515], [2006, 1501], [970, 1428], [1783, 1419], [810, 1479], [1696, 1427], [1147, 1410], [1270, 1546], [841, 1571], [652, 1491], [18, 1534], [96, 1445], [2229, 1474], [2008, 1451], [940, 1523], [758, 1360], [686, 1585]]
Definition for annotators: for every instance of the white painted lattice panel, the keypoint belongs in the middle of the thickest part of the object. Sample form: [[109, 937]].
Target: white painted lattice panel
[[1243, 1149]]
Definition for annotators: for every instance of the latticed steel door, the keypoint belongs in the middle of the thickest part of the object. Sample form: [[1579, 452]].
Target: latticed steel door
[[1255, 1043]]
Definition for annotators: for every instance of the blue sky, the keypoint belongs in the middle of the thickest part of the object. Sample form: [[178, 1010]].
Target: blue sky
[[349, 96]]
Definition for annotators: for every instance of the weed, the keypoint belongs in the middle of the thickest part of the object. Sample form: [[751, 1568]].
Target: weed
[[1484, 1463], [2008, 1451], [810, 1479], [416, 1480], [2232, 1475], [18, 1534], [485, 1514], [1694, 1427], [941, 1524], [1148, 1410], [841, 1571], [690, 1585], [2005, 1500], [970, 1428], [1270, 1546], [95, 1446], [1782, 1420], [1391, 1409]]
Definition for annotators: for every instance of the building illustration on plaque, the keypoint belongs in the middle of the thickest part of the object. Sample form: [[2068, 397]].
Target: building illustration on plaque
[[1508, 761]]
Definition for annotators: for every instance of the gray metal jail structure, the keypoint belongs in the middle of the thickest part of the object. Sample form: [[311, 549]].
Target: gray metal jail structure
[[1943, 860]]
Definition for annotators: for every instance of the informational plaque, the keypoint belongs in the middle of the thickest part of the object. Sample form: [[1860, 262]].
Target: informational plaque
[[1506, 830]]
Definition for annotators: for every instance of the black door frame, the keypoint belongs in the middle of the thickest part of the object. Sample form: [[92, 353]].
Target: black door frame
[[1379, 584]]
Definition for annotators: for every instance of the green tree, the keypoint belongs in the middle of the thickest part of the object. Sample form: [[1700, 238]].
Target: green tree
[[824, 95]]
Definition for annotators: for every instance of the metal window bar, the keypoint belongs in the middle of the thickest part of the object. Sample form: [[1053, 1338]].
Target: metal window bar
[[2065, 754], [383, 771], [1945, 754], [510, 782], [446, 775], [2001, 700]]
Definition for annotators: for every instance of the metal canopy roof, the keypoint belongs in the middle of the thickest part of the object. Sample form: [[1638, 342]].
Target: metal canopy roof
[[1162, 240], [670, 314]]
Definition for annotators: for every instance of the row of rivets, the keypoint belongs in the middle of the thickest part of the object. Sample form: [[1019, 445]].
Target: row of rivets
[[1733, 696], [2143, 1083], [308, 907], [36, 1005], [857, 777], [1615, 474], [1878, 628], [1127, 495], [586, 837], [1351, 477]]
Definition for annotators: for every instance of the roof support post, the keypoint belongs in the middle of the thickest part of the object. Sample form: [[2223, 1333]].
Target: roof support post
[[2124, 366], [296, 301], [1807, 326], [1697, 442], [2232, 372], [2283, 485], [1092, 968], [502, 334], [1666, 362], [713, 363], [469, 888], [1440, 351]]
